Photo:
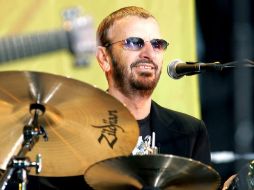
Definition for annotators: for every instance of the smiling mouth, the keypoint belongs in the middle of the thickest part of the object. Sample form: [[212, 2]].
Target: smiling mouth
[[145, 66]]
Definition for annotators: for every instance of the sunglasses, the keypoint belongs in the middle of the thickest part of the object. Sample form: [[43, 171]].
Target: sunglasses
[[136, 43]]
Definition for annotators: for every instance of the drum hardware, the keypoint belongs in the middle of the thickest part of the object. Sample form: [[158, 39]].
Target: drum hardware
[[146, 146], [21, 164], [244, 179], [151, 172], [154, 148], [251, 175]]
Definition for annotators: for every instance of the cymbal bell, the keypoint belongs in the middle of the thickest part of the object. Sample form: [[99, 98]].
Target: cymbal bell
[[153, 172], [84, 124]]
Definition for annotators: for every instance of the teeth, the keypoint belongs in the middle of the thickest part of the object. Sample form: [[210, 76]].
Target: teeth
[[145, 67]]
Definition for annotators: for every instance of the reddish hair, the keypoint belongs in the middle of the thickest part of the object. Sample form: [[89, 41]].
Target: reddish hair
[[107, 22]]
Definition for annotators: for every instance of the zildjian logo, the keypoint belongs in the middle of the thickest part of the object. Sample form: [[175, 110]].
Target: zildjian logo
[[109, 129]]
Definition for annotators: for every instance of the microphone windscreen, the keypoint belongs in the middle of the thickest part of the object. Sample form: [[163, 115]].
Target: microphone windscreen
[[171, 69]]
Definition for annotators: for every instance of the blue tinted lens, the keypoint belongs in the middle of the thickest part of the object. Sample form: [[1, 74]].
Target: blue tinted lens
[[159, 44], [134, 43]]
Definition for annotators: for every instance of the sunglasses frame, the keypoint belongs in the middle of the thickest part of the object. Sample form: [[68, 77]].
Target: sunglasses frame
[[137, 43]]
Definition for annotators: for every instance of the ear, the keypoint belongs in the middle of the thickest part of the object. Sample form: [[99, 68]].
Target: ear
[[103, 58]]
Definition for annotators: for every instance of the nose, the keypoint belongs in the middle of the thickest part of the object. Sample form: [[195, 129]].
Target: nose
[[147, 51]]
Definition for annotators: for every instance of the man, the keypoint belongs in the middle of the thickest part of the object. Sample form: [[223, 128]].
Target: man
[[130, 52]]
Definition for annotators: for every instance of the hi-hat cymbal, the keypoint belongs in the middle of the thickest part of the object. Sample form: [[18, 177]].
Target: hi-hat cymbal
[[153, 172], [84, 124]]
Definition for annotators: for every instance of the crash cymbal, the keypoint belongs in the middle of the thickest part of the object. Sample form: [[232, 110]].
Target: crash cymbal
[[153, 172], [84, 124]]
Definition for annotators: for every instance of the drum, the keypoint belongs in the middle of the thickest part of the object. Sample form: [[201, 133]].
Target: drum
[[244, 180]]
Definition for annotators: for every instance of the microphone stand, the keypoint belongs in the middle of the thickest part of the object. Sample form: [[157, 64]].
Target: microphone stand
[[234, 64], [20, 163]]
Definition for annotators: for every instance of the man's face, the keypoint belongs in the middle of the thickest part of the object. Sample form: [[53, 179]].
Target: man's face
[[135, 70]]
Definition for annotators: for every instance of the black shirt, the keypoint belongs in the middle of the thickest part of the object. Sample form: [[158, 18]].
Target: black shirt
[[144, 126]]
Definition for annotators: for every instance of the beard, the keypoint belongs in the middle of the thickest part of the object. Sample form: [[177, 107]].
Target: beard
[[131, 83]]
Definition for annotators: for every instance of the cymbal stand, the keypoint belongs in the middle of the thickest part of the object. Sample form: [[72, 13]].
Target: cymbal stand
[[19, 163]]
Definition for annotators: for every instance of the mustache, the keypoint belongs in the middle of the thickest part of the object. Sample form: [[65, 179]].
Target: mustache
[[141, 61]]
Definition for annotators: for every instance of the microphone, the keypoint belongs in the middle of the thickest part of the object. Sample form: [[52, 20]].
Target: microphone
[[177, 68]]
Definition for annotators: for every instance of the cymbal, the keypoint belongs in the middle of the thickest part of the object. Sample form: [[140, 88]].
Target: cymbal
[[84, 124], [157, 172]]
